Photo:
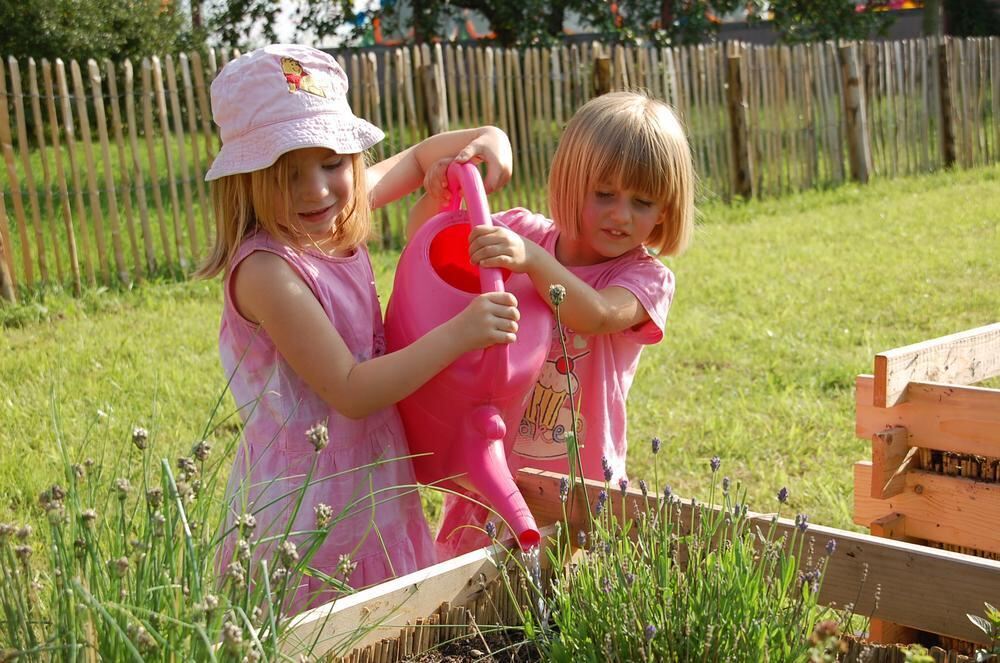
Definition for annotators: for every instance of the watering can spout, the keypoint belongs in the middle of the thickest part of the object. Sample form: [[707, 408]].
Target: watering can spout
[[490, 475]]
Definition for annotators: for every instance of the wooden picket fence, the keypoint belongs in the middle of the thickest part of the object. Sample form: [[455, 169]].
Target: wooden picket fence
[[105, 161]]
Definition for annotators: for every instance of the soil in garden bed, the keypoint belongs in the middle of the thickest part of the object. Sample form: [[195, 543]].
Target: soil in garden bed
[[504, 646]]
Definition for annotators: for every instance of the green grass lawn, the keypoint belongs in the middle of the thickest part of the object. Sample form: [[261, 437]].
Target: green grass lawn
[[779, 305]]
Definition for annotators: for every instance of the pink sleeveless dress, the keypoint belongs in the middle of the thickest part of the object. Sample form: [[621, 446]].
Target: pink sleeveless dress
[[379, 526]]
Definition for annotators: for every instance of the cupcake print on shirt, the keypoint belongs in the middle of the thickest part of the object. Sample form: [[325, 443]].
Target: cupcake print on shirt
[[548, 413]]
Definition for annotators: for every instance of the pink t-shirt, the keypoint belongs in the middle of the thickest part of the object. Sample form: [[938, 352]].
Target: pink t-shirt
[[600, 370], [381, 528], [600, 367]]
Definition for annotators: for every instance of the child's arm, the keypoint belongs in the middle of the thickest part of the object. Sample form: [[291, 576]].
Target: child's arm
[[404, 172], [585, 309], [268, 291]]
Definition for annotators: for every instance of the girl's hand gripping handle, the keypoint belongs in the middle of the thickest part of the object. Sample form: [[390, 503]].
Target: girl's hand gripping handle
[[464, 178]]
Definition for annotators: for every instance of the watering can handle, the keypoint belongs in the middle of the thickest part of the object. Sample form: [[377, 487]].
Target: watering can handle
[[464, 179]]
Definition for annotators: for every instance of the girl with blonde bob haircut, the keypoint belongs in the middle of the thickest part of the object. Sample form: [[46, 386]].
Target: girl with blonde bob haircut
[[621, 193], [626, 137]]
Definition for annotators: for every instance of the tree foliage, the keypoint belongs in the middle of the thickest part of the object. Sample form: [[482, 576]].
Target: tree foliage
[[817, 20], [81, 29], [523, 22]]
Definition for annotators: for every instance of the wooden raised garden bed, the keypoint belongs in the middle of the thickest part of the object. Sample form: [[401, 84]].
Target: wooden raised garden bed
[[923, 587], [934, 479], [934, 476]]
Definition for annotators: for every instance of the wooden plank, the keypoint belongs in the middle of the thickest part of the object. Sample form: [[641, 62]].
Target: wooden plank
[[451, 84], [125, 171], [954, 510], [944, 417], [29, 177], [892, 526], [60, 175], [43, 152], [136, 167], [185, 175], [204, 110], [951, 585], [198, 171], [386, 608], [100, 118], [7, 291], [963, 358], [81, 213], [7, 146], [892, 458], [175, 205], [464, 88], [154, 175], [96, 211]]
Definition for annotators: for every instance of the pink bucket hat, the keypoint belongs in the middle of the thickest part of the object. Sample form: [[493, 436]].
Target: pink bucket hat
[[281, 98]]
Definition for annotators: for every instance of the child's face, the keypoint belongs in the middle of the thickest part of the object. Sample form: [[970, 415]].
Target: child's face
[[614, 221], [322, 183]]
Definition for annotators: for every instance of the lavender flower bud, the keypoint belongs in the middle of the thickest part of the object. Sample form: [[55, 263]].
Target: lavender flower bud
[[491, 529], [563, 489], [831, 546], [655, 444], [643, 487], [783, 495], [801, 521], [623, 485], [606, 467], [650, 632], [581, 538], [725, 484], [715, 464]]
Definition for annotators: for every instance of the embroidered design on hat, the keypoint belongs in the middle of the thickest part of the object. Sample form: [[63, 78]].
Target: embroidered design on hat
[[299, 79]]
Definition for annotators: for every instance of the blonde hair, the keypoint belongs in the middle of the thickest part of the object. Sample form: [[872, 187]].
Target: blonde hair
[[633, 141], [246, 202]]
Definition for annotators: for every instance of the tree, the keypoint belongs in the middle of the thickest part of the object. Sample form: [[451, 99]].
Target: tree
[[81, 29], [818, 20], [660, 22]]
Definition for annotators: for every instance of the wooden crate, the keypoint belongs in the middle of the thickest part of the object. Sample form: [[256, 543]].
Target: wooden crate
[[934, 475], [445, 597]]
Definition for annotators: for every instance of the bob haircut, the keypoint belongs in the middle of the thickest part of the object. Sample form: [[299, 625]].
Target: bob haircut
[[262, 199], [630, 140]]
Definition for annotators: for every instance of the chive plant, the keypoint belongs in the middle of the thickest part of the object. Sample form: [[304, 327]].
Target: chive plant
[[130, 570]]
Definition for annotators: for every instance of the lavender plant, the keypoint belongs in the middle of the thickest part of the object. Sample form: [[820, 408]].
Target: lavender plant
[[666, 583]]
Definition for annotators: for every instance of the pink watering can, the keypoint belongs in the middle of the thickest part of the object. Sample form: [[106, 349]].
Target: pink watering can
[[460, 417]]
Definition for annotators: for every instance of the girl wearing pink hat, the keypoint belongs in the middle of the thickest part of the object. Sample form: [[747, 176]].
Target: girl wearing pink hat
[[323, 454]]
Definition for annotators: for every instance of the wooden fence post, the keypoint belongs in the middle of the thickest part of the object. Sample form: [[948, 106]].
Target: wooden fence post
[[858, 144], [602, 75], [742, 168], [6, 284], [948, 150], [432, 96]]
